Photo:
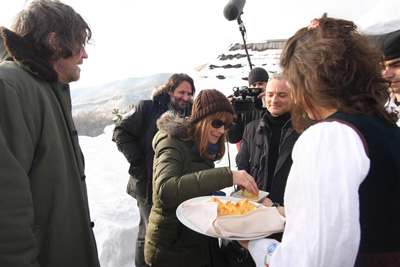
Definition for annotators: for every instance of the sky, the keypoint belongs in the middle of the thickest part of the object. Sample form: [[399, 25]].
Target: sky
[[136, 38]]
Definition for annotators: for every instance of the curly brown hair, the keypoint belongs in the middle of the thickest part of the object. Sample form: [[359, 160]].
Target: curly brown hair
[[334, 67], [44, 20]]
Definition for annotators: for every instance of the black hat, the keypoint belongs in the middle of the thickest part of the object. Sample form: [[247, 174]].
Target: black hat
[[209, 101], [389, 43], [258, 75]]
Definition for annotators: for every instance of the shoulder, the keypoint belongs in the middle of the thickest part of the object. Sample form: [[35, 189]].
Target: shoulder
[[172, 125], [253, 126], [172, 130], [164, 142], [332, 136]]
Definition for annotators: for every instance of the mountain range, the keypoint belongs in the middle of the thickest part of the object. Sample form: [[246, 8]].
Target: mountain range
[[232, 65]]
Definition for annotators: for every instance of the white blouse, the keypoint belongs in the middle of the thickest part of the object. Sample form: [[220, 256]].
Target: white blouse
[[321, 201]]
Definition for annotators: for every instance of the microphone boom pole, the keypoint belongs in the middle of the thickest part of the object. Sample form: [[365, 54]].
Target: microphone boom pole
[[243, 32]]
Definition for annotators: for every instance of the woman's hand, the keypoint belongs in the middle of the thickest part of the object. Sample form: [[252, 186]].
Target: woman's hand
[[245, 181]]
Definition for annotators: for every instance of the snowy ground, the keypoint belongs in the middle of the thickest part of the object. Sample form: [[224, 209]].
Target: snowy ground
[[114, 212]]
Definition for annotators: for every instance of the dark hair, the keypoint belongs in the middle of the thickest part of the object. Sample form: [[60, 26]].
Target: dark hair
[[175, 80], [53, 28], [333, 66]]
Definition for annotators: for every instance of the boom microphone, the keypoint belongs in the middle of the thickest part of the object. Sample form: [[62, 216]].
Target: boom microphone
[[234, 9]]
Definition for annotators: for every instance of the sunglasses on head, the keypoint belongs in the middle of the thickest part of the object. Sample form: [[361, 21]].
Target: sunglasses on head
[[218, 123]]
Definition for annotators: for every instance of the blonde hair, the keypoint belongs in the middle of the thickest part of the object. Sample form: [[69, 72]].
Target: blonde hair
[[199, 132]]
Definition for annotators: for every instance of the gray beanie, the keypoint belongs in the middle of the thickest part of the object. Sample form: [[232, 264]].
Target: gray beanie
[[258, 75]]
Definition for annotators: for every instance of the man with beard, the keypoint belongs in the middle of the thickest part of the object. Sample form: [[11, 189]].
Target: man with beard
[[389, 43], [134, 136]]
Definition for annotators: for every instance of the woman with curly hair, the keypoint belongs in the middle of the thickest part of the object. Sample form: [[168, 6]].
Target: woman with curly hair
[[345, 176]]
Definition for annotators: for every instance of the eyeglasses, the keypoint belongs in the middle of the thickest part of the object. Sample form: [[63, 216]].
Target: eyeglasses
[[218, 123]]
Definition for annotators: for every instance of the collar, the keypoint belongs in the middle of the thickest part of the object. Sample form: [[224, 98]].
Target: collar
[[22, 52], [182, 115]]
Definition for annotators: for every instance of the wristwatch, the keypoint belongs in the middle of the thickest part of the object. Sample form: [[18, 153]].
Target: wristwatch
[[275, 204]]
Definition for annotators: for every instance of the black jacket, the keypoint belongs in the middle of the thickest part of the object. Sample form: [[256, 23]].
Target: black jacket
[[235, 133], [134, 135], [253, 156]]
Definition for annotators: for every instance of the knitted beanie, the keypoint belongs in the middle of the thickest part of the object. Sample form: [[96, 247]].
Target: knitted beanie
[[389, 43], [258, 75], [209, 101]]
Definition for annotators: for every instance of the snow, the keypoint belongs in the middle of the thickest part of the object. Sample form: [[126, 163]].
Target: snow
[[113, 211]]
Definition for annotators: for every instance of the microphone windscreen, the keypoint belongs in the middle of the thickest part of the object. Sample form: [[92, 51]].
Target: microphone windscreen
[[234, 9]]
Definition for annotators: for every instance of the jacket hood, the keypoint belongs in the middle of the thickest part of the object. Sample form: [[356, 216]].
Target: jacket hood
[[159, 94], [25, 54], [173, 125]]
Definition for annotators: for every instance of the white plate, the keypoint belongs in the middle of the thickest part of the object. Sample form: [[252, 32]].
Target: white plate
[[197, 200], [262, 195]]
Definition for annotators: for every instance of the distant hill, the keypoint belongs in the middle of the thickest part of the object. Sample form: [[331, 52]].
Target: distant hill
[[228, 70], [118, 94], [92, 107]]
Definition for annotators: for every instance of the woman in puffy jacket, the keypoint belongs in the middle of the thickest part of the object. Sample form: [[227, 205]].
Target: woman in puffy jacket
[[183, 168]]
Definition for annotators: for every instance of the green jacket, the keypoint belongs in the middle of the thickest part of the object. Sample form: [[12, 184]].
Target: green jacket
[[179, 174], [44, 213]]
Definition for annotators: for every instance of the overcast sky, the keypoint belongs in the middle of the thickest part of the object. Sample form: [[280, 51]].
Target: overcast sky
[[134, 38]]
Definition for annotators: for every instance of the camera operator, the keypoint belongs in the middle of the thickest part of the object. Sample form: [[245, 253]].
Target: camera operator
[[267, 142], [265, 154], [258, 78]]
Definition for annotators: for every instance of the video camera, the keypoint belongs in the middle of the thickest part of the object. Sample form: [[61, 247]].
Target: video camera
[[244, 99]]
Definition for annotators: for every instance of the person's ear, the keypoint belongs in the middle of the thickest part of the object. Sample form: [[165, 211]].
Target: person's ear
[[52, 40]]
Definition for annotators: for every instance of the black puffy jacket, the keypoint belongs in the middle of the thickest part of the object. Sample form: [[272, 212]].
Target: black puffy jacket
[[134, 136], [253, 156]]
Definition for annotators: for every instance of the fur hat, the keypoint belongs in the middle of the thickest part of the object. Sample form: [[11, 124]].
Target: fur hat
[[209, 101], [258, 75], [389, 43]]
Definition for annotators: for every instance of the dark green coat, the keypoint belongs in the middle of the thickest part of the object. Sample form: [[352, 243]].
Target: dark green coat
[[44, 213], [179, 174]]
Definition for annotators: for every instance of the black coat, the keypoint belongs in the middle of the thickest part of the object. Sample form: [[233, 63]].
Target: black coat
[[253, 156], [134, 136], [235, 132]]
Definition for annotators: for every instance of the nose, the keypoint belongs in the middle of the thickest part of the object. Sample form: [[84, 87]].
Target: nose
[[84, 53], [221, 129], [186, 97], [388, 73]]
